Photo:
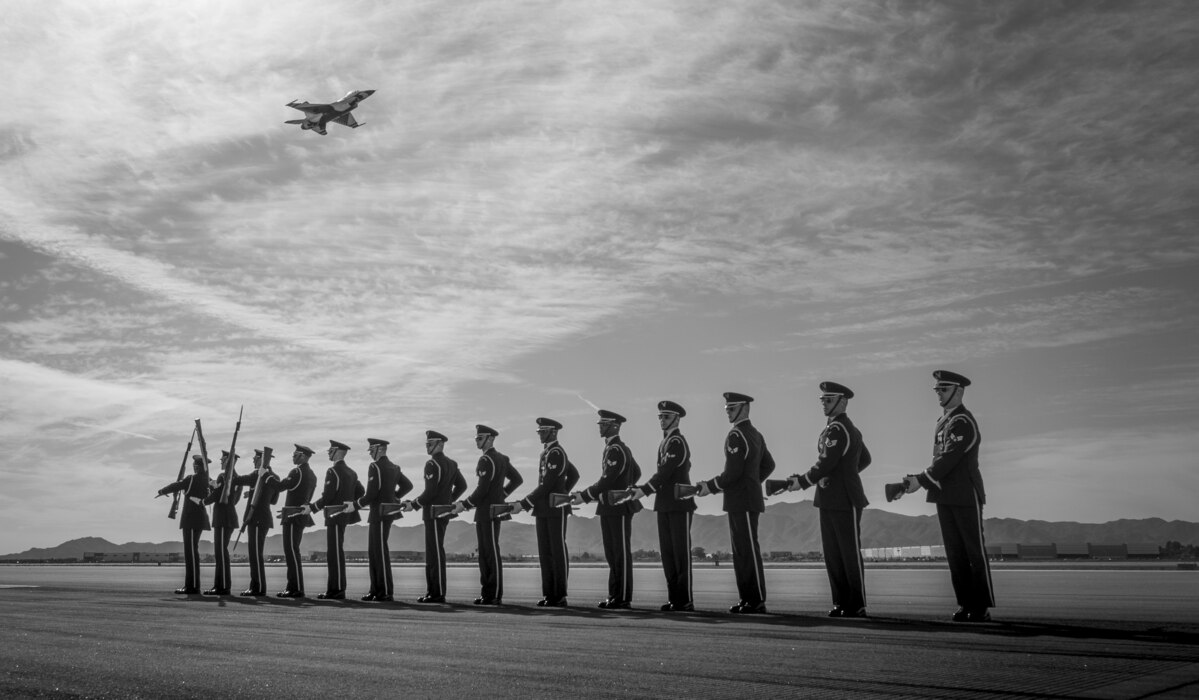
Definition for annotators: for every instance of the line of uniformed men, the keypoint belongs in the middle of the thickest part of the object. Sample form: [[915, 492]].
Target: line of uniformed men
[[953, 482]]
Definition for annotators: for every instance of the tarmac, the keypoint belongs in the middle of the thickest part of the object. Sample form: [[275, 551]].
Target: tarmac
[[118, 632]]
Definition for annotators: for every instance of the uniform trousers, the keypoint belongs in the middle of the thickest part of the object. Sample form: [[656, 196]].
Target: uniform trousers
[[222, 581], [617, 535], [840, 535], [962, 531], [335, 536], [191, 558], [552, 555], [747, 557], [293, 533], [256, 542], [674, 541], [435, 556], [491, 567], [380, 557]]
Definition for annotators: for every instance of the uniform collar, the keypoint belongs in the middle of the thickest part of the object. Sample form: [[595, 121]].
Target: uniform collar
[[610, 440], [834, 417]]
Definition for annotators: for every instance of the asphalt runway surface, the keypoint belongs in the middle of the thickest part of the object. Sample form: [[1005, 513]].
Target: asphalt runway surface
[[118, 631]]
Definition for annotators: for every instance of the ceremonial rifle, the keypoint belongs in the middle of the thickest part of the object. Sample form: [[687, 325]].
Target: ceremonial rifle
[[228, 485], [252, 502], [199, 432], [776, 486], [182, 469]]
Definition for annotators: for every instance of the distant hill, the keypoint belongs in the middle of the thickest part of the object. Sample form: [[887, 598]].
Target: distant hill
[[793, 527]]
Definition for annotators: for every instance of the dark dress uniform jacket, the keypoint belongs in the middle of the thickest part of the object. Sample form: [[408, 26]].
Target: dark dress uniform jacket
[[224, 514], [555, 474], [618, 471], [444, 483], [341, 486], [497, 480], [385, 484], [954, 477], [260, 514], [747, 463], [674, 467], [300, 484], [193, 516], [842, 456]]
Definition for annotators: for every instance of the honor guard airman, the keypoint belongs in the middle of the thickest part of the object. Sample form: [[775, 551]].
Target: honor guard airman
[[841, 455], [299, 485], [258, 519], [192, 521], [555, 475], [224, 521], [341, 489], [444, 484], [747, 463], [674, 514], [385, 486], [497, 480], [955, 484], [619, 471]]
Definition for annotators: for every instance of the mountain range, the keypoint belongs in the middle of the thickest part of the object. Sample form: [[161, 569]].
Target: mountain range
[[791, 527]]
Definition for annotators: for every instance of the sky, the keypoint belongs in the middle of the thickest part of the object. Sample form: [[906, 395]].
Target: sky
[[557, 206]]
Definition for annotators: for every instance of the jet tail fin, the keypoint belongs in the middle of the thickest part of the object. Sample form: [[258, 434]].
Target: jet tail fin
[[294, 121]]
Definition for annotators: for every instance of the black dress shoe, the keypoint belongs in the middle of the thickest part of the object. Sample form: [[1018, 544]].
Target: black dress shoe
[[736, 608], [752, 609], [619, 605], [559, 603], [667, 607], [431, 599], [331, 596], [212, 591], [961, 615], [488, 601], [605, 603], [384, 599], [859, 613], [682, 607], [251, 593], [186, 591], [543, 602], [978, 616], [368, 596], [837, 611]]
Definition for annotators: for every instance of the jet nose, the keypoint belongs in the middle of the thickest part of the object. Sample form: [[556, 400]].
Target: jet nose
[[367, 93]]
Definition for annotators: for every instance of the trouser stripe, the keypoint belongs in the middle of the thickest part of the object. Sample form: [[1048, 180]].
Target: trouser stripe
[[982, 548], [437, 545], [757, 557], [690, 593], [857, 544]]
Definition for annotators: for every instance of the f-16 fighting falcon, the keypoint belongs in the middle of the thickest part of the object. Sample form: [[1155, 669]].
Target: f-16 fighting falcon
[[316, 116]]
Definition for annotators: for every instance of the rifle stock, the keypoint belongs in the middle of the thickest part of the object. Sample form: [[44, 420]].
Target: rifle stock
[[203, 447], [685, 491], [443, 511], [896, 490], [228, 468], [182, 470], [776, 486]]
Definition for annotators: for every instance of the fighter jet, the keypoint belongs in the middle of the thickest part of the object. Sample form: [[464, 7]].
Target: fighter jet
[[316, 116]]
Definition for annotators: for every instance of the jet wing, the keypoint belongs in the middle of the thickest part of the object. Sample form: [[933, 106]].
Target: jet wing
[[346, 119]]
